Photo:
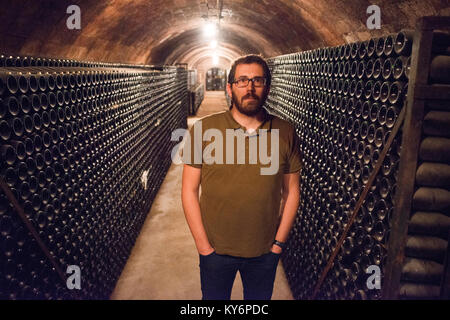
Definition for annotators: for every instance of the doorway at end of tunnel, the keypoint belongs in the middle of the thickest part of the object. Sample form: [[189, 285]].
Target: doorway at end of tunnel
[[215, 79]]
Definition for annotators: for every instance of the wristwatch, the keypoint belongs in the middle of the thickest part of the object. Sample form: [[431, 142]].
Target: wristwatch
[[282, 245]]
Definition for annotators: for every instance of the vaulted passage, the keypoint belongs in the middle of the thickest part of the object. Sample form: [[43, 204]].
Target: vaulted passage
[[95, 97]]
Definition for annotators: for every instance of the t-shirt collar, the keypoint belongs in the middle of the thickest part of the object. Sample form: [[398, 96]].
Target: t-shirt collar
[[266, 124]]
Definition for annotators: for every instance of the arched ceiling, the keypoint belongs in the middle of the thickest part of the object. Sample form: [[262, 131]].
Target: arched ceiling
[[171, 31]]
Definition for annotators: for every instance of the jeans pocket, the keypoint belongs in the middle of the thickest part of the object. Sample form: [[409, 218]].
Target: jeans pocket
[[207, 260], [208, 255]]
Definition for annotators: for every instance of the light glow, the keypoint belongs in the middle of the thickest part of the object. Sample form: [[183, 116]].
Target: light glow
[[215, 60], [209, 30]]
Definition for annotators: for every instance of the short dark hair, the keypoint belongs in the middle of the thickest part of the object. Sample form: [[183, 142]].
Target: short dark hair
[[251, 58]]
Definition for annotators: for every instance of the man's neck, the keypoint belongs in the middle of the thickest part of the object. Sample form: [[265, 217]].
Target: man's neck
[[250, 123]]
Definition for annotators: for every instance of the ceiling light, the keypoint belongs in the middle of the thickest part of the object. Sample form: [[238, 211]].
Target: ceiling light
[[210, 30]]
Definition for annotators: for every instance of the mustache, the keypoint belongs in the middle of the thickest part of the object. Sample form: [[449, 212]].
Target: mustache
[[249, 95]]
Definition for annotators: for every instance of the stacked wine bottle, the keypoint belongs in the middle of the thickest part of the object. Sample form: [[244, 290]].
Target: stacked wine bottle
[[85, 147], [344, 102]]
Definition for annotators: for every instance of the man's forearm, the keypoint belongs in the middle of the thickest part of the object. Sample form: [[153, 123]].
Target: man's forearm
[[193, 216], [289, 211]]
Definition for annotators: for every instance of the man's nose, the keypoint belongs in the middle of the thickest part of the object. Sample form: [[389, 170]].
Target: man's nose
[[251, 86]]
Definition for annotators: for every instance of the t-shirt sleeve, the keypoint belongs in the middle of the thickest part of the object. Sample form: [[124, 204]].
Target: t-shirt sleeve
[[294, 157], [192, 149]]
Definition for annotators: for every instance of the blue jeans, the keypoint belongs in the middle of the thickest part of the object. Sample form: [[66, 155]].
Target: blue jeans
[[217, 274]]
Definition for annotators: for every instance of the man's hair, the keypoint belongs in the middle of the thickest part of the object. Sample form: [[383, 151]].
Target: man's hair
[[251, 58]]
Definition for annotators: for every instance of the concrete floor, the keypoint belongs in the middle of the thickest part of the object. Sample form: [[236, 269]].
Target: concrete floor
[[163, 264]]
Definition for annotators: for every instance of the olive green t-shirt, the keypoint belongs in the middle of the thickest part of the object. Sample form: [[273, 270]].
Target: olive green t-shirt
[[241, 188]]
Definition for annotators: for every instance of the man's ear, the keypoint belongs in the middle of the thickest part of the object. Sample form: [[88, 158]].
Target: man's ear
[[229, 90]]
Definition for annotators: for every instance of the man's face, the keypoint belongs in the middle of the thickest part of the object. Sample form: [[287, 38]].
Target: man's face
[[250, 99]]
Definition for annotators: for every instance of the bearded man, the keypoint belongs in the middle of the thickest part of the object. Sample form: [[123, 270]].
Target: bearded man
[[243, 217]]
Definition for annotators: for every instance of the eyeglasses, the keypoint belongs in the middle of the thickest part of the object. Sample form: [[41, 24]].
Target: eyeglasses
[[257, 81]]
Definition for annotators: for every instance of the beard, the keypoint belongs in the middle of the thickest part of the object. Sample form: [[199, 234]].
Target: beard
[[249, 107]]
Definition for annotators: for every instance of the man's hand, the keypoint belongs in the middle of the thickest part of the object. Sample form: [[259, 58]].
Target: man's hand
[[207, 251], [276, 249]]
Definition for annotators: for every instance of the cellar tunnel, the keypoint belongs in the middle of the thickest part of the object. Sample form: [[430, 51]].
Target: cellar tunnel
[[168, 32], [87, 113]]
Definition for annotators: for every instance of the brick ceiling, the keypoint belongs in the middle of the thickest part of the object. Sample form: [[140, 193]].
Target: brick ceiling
[[170, 31]]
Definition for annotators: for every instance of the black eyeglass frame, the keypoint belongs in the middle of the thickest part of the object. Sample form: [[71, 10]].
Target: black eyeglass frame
[[247, 80]]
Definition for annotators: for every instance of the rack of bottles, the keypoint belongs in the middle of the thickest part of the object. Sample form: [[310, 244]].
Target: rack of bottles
[[196, 96], [344, 102], [85, 147]]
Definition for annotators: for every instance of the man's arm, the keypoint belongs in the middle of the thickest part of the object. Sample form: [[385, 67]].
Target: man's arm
[[290, 201], [191, 206]]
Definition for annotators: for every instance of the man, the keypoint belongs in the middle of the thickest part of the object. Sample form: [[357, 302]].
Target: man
[[238, 224]]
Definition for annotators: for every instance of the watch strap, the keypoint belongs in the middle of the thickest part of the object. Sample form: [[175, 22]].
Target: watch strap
[[282, 245]]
